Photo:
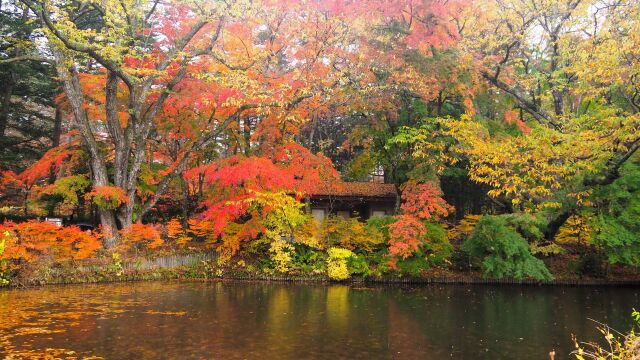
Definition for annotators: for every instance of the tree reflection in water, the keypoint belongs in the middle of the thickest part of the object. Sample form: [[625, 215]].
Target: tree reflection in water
[[293, 321]]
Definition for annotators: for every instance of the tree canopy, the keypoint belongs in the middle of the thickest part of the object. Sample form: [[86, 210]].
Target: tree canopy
[[219, 113]]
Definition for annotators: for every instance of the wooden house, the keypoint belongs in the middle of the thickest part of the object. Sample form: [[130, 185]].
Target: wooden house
[[354, 199]]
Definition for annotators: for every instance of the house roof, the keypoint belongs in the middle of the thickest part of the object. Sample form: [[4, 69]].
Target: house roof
[[358, 189]]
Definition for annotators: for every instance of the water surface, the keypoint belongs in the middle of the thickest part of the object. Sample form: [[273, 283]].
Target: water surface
[[247, 320]]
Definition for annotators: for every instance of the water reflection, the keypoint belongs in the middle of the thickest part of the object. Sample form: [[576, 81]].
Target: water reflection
[[285, 321]]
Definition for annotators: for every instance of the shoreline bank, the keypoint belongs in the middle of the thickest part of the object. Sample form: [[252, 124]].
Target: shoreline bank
[[181, 274]]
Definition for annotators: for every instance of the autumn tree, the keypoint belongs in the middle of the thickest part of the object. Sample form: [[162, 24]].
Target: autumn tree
[[576, 129], [120, 65], [235, 186]]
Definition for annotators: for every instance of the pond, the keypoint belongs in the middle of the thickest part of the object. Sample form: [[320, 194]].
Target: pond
[[250, 320]]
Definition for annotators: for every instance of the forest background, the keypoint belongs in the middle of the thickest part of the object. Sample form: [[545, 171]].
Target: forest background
[[510, 129]]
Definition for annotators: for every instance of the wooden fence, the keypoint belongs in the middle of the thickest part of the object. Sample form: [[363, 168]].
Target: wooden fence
[[168, 262], [145, 264]]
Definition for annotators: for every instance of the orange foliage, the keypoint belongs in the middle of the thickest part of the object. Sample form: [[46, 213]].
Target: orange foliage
[[424, 201], [176, 232], [52, 160], [231, 182], [107, 197], [406, 237], [139, 236], [10, 187], [27, 241], [77, 244], [204, 229]]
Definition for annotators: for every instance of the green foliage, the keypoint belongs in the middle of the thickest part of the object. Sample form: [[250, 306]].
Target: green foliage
[[308, 260], [589, 264], [435, 250], [503, 251], [381, 224], [357, 264], [526, 225], [66, 190], [437, 245], [617, 224], [4, 276], [115, 266], [414, 265], [374, 146]]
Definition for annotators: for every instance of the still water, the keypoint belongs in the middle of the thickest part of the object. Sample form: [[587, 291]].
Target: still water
[[247, 320]]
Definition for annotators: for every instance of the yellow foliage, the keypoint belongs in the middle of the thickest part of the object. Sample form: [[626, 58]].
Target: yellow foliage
[[465, 227], [230, 241], [530, 168], [349, 234], [545, 250], [308, 233], [280, 252], [337, 263], [576, 229]]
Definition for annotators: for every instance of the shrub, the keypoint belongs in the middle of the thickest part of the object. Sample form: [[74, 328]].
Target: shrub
[[381, 225], [527, 225], [407, 235], [139, 237], [308, 232], [357, 264], [4, 277], [281, 251], [412, 237], [177, 233], [413, 265], [28, 240], [337, 263], [503, 251], [349, 234], [23, 243], [547, 249], [436, 246], [308, 259], [465, 227], [590, 264]]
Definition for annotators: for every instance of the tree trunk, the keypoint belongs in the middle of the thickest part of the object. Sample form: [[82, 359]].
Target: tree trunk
[[109, 228], [5, 101], [107, 217], [555, 224], [185, 201], [125, 214], [396, 206], [55, 140], [71, 84]]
